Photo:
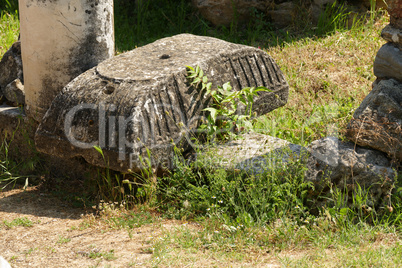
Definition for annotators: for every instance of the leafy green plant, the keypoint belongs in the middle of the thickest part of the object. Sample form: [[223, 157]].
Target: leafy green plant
[[197, 190], [222, 119]]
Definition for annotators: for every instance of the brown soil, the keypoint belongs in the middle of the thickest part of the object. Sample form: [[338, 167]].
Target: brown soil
[[42, 244], [62, 236]]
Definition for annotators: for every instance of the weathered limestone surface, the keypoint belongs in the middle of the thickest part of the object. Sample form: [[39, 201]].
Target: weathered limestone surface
[[60, 40], [142, 100], [377, 122], [253, 152], [11, 66], [392, 34], [18, 130], [15, 93], [343, 165], [329, 162], [388, 62]]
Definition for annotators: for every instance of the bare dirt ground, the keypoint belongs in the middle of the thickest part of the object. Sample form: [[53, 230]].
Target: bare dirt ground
[[45, 243], [62, 236]]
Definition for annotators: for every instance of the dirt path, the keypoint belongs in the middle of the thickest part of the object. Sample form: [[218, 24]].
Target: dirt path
[[58, 237], [61, 236]]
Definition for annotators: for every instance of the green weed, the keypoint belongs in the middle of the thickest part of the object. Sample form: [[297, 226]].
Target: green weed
[[24, 221], [109, 256], [63, 240], [9, 30], [223, 120]]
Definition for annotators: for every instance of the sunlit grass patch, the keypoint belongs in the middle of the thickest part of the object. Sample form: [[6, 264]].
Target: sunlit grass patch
[[9, 30]]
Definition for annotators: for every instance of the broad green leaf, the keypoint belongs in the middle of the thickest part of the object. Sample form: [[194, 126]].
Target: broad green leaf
[[213, 113]]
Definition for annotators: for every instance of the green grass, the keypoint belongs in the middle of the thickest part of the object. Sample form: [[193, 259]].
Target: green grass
[[9, 30], [105, 255], [24, 221], [63, 240], [236, 218]]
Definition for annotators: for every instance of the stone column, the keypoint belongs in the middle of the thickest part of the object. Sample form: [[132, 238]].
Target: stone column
[[59, 41]]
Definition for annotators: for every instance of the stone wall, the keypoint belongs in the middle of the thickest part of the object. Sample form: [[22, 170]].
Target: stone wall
[[377, 123], [282, 13]]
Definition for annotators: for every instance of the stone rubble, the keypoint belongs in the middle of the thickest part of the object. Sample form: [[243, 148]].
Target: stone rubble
[[283, 13], [377, 123], [15, 93], [388, 62], [332, 164], [11, 68]]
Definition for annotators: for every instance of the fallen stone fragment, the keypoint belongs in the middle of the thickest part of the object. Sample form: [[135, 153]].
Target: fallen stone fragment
[[345, 166], [392, 34], [14, 92], [140, 103], [253, 152], [388, 62], [11, 66], [377, 122]]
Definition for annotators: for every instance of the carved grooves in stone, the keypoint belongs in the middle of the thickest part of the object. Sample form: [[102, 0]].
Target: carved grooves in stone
[[244, 72], [147, 127], [156, 108], [254, 71], [171, 113], [257, 62], [180, 100], [236, 73], [164, 115]]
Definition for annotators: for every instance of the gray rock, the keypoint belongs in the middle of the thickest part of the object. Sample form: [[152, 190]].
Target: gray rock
[[224, 12], [11, 66], [345, 166], [283, 14], [141, 100], [377, 122], [392, 34], [253, 152], [14, 92], [317, 9], [388, 62]]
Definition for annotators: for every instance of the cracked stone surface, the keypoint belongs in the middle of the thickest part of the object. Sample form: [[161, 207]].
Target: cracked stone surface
[[141, 101]]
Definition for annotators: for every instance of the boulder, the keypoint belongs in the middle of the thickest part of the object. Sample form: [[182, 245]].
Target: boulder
[[14, 92], [388, 62], [11, 66], [377, 122], [283, 15], [343, 165], [252, 152], [224, 12], [392, 34], [140, 104]]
